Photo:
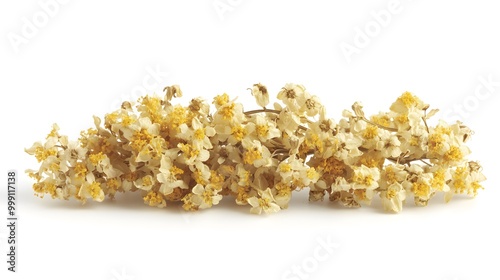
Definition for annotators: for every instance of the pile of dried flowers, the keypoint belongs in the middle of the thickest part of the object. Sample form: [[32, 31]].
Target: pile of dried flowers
[[169, 152]]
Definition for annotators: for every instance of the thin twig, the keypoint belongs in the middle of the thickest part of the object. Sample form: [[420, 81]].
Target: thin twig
[[262, 111]]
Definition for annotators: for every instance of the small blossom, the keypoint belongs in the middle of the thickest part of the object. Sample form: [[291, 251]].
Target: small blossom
[[172, 91], [265, 203], [170, 176], [261, 95], [365, 177], [393, 197], [293, 96], [205, 197]]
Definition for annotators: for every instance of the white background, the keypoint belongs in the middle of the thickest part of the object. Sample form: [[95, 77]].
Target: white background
[[90, 55]]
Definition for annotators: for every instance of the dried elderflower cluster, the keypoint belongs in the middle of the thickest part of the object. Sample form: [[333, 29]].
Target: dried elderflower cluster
[[169, 152]]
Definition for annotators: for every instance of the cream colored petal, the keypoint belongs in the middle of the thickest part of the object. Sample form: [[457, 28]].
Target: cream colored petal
[[282, 201], [209, 131], [267, 194], [198, 189], [204, 155], [256, 210], [254, 201], [166, 189], [216, 199], [448, 196], [273, 208], [101, 196]]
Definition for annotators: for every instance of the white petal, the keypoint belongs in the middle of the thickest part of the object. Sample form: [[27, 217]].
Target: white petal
[[256, 210], [198, 189], [253, 201]]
